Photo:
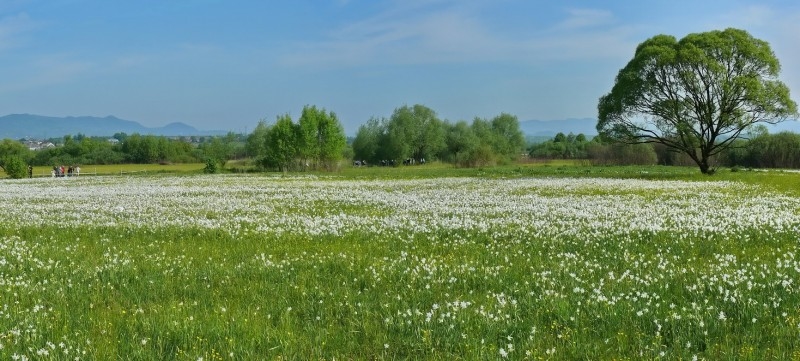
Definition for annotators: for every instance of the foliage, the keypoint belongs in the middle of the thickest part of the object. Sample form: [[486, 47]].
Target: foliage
[[696, 95], [561, 147], [462, 143], [281, 146], [416, 132], [506, 138], [257, 140], [212, 166], [370, 141], [134, 148], [15, 167], [9, 150], [219, 149], [317, 141], [621, 154], [320, 139], [781, 150]]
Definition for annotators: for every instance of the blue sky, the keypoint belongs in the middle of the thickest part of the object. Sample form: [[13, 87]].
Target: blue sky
[[226, 64]]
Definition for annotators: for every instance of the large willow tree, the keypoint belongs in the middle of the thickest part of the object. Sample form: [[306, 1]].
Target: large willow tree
[[696, 95]]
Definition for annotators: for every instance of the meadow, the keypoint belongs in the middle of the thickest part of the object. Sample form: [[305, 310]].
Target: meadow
[[526, 263], [122, 169]]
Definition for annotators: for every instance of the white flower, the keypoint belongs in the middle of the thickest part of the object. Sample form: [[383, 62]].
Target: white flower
[[722, 316]]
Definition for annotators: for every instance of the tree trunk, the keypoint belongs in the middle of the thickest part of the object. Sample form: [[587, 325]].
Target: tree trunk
[[704, 167]]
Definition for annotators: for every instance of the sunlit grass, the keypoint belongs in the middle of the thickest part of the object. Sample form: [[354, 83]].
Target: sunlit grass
[[428, 262], [120, 169]]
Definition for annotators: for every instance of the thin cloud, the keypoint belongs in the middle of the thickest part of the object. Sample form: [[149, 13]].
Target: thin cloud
[[585, 18], [47, 72], [419, 33], [13, 28]]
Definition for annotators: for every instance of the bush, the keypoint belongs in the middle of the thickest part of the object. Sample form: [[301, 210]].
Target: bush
[[621, 154], [15, 167], [212, 166]]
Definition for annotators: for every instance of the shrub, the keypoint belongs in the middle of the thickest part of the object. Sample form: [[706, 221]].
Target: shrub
[[212, 166], [15, 167]]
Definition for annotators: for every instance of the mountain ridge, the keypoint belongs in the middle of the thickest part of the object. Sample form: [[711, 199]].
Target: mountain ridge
[[549, 128], [18, 126]]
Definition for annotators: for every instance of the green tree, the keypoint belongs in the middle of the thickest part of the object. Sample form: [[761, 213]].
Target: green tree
[[461, 142], [562, 146], [219, 149], [508, 140], [370, 140], [140, 149], [320, 138], [415, 132], [15, 167], [10, 152], [212, 166], [331, 141], [781, 150], [485, 153], [257, 140], [696, 95], [281, 145], [308, 147]]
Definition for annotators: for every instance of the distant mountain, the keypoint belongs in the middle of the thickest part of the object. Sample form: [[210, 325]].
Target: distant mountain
[[16, 126], [549, 128]]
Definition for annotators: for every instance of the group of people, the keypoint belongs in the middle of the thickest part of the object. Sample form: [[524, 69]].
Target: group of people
[[60, 171], [390, 163]]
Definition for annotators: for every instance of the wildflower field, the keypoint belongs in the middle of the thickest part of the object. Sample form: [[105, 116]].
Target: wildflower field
[[249, 267]]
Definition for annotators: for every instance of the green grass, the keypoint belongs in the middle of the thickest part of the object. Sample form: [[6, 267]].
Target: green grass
[[119, 169], [144, 291], [775, 179], [781, 180]]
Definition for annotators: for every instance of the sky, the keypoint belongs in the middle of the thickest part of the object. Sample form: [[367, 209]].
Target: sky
[[227, 64]]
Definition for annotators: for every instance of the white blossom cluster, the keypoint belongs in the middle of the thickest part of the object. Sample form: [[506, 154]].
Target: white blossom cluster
[[538, 207], [510, 268]]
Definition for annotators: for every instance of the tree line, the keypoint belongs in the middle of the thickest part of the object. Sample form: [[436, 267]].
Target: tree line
[[316, 141], [757, 150], [596, 150], [15, 157], [417, 133]]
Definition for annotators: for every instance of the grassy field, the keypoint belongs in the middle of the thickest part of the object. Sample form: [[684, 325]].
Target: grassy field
[[122, 169], [530, 262]]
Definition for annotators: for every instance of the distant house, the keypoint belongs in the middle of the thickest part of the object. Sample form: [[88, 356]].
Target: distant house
[[113, 141], [34, 144]]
